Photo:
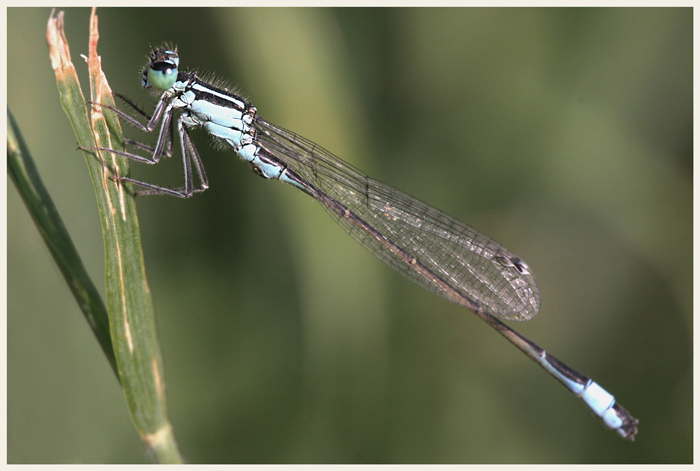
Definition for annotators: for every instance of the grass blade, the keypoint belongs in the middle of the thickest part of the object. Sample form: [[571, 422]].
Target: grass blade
[[26, 178], [131, 314]]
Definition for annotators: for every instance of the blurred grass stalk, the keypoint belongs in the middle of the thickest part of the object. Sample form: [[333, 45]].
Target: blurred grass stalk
[[129, 304], [31, 189]]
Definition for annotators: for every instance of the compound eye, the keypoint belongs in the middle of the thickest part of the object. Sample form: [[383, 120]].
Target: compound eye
[[161, 76]]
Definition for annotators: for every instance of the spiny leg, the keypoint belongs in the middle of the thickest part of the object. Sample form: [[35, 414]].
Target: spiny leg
[[190, 155], [163, 149]]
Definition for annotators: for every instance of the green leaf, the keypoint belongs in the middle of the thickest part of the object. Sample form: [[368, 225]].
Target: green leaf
[[26, 178], [129, 303]]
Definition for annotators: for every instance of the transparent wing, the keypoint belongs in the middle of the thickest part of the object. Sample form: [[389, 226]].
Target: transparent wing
[[425, 245]]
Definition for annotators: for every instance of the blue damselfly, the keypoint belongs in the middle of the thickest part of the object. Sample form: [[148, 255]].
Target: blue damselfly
[[429, 247]]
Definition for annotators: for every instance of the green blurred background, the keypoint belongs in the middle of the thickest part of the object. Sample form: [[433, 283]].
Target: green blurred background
[[565, 134]]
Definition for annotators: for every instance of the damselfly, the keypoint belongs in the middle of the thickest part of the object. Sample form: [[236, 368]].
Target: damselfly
[[427, 246]]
